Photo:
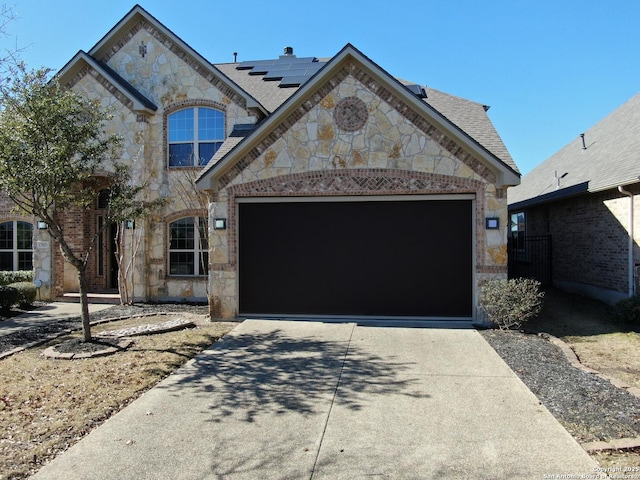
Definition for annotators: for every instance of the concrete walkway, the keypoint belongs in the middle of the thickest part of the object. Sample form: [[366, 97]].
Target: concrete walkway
[[311, 400], [51, 312]]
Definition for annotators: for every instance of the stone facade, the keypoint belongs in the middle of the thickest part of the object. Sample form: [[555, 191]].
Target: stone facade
[[395, 151], [354, 132], [171, 78]]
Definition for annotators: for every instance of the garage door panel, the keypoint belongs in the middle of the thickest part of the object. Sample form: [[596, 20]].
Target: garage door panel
[[411, 258]]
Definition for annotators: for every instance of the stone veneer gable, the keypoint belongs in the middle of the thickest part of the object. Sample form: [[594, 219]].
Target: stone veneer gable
[[198, 66], [385, 95]]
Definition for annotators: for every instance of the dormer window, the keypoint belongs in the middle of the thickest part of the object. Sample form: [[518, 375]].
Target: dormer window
[[195, 134]]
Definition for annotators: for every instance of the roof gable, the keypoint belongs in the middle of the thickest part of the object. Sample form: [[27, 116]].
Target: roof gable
[[138, 18], [351, 61], [608, 158]]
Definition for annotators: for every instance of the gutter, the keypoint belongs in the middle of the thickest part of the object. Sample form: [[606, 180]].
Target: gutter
[[630, 245]]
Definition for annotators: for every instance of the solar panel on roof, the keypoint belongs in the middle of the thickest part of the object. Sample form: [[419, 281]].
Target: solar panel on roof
[[248, 65], [294, 81], [291, 70], [294, 72]]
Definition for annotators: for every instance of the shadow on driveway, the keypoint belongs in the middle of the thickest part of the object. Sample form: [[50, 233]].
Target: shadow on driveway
[[267, 373]]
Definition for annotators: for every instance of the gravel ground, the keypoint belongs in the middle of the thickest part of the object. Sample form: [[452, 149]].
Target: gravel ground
[[589, 407]]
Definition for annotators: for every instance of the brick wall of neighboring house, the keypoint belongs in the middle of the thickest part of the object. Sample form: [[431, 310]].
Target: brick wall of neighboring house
[[589, 241]]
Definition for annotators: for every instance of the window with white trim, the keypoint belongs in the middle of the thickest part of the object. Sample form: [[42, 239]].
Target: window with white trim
[[188, 247], [195, 135], [16, 245]]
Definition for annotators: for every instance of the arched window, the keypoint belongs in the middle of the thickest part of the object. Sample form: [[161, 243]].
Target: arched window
[[16, 245], [194, 134], [188, 247]]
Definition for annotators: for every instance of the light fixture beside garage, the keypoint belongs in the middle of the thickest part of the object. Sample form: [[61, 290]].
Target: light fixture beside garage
[[492, 223], [220, 224]]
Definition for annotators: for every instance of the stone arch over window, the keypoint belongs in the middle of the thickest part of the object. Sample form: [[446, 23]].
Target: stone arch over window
[[194, 131], [188, 246], [16, 245]]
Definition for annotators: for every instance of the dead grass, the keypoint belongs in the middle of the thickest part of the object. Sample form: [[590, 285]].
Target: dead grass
[[600, 343], [614, 354], [48, 405]]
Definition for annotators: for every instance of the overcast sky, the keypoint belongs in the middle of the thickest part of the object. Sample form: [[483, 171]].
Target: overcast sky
[[549, 69]]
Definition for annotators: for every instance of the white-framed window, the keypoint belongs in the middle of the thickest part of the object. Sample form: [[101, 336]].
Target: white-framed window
[[16, 245], [194, 135], [188, 247]]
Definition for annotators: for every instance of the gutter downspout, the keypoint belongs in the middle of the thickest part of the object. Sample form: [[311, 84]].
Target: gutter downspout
[[630, 247]]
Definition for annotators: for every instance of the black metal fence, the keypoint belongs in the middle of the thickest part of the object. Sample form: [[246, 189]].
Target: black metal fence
[[530, 257]]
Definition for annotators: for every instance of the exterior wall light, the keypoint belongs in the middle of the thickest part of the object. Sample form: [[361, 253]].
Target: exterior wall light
[[129, 224], [220, 224], [492, 223], [42, 225]]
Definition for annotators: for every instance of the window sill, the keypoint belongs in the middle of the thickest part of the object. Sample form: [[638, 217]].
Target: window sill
[[186, 277]]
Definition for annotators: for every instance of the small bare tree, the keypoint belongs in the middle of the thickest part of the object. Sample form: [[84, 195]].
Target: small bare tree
[[195, 199], [128, 205]]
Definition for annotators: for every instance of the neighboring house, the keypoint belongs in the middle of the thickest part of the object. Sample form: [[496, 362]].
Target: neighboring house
[[334, 188], [585, 197]]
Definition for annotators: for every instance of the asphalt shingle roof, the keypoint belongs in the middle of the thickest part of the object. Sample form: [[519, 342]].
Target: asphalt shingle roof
[[611, 158], [269, 94], [471, 117]]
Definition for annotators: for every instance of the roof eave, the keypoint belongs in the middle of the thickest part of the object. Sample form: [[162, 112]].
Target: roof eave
[[75, 64]]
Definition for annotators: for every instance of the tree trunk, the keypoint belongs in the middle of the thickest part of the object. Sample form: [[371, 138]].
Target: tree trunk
[[84, 305]]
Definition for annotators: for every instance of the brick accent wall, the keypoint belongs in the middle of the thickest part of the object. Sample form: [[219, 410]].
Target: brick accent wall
[[370, 182], [8, 211], [80, 230]]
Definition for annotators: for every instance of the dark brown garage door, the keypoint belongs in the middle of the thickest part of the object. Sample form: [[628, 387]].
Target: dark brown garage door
[[373, 258]]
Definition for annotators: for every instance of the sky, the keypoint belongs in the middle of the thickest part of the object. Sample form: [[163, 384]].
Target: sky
[[549, 69]]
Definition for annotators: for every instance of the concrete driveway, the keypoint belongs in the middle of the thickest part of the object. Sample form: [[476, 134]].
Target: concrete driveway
[[311, 400]]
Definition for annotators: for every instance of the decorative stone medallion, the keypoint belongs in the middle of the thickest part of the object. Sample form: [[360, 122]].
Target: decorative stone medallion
[[351, 114]]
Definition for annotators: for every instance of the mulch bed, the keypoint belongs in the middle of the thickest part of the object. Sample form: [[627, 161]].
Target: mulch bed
[[589, 407]]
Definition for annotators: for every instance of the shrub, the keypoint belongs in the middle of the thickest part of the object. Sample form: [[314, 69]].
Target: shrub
[[7, 278], [26, 294], [8, 297], [628, 310], [509, 303]]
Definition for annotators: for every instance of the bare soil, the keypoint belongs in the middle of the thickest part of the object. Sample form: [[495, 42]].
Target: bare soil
[[48, 405]]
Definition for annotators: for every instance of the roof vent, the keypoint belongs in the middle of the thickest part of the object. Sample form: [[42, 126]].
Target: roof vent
[[584, 145], [288, 50]]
